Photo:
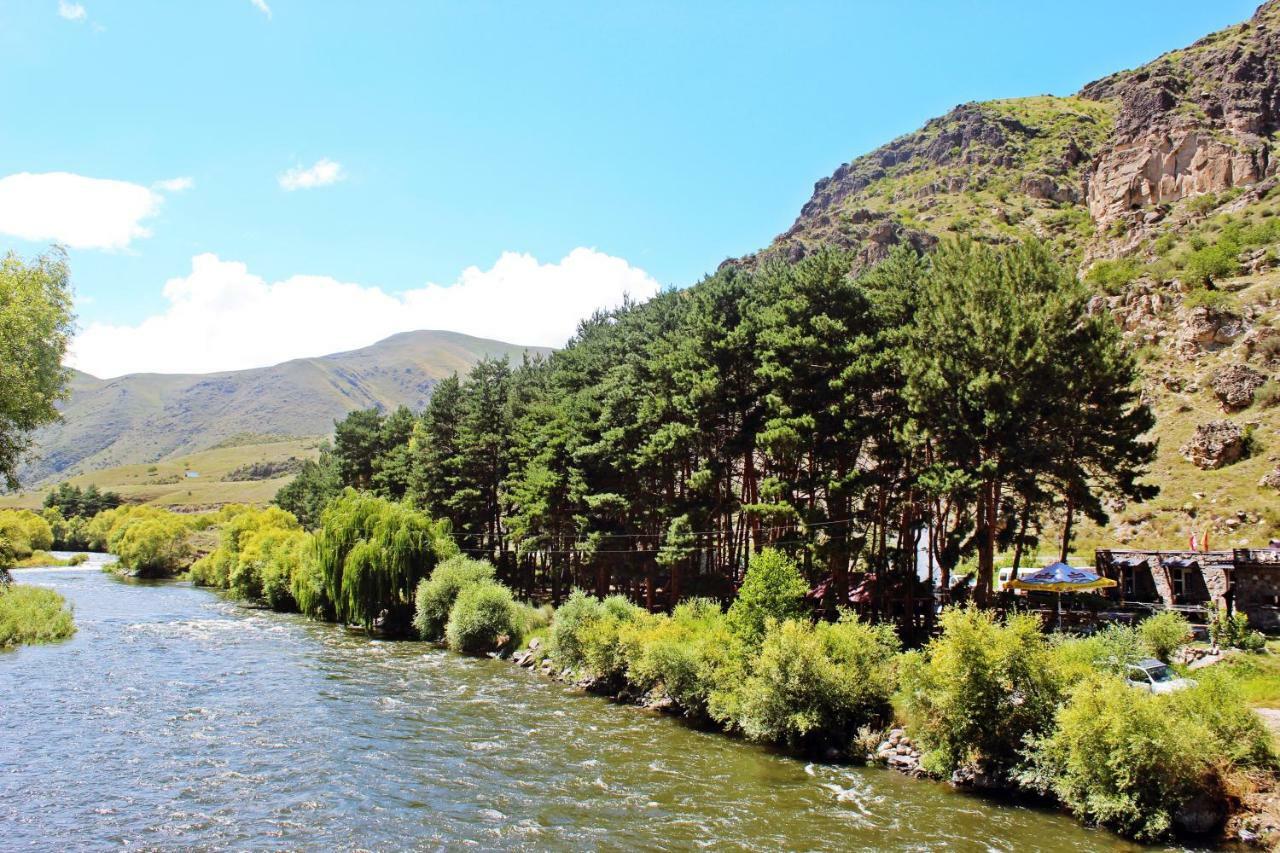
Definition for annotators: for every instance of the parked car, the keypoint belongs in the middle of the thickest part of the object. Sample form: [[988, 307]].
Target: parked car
[[1155, 677]]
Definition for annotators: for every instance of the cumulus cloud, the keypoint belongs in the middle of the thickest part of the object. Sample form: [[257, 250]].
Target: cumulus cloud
[[321, 174], [80, 212], [223, 317], [71, 11], [261, 6], [175, 185]]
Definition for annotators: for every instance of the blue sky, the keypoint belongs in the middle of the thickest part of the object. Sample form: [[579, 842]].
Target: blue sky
[[662, 136]]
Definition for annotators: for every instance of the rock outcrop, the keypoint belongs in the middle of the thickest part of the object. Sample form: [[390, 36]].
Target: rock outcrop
[[1214, 445], [1235, 384]]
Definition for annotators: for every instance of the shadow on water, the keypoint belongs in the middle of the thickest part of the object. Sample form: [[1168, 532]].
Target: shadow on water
[[176, 718]]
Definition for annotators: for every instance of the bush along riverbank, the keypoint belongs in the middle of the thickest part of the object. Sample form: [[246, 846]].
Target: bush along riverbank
[[990, 703], [32, 614]]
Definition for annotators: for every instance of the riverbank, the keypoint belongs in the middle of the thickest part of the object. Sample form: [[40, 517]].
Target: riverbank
[[177, 718]]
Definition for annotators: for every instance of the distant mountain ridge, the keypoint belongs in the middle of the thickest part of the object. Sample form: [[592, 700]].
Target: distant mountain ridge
[[146, 417]]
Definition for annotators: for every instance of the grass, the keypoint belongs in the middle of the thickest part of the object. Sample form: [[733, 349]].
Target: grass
[[32, 614], [164, 483], [1258, 676], [43, 559]]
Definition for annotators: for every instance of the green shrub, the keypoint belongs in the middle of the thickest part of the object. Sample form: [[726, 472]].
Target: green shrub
[[77, 559], [1215, 300], [1113, 276], [772, 589], [1110, 650], [1211, 262], [32, 614], [1239, 735], [977, 691], [1165, 633], [25, 531], [1124, 759], [814, 686], [1268, 395], [435, 595], [1230, 632], [601, 639], [690, 656], [483, 618], [569, 626]]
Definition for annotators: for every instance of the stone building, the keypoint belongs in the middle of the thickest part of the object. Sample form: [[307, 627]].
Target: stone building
[[1247, 580]]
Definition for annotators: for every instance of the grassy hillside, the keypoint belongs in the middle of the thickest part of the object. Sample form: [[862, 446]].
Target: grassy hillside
[[147, 418], [218, 481]]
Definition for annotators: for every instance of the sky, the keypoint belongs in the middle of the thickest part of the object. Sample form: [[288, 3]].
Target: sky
[[239, 182]]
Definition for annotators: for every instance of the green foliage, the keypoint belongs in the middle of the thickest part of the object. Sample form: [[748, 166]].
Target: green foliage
[[691, 656], [147, 540], [1268, 395], [435, 595], [772, 589], [814, 685], [318, 481], [258, 551], [1233, 631], [1112, 276], [36, 323], [372, 553], [1204, 266], [483, 618], [31, 614], [979, 690], [1122, 758], [1240, 738], [25, 532], [603, 639], [1164, 633], [1110, 651], [72, 501], [573, 618]]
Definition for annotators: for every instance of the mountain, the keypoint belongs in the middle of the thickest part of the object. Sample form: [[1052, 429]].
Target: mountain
[[1160, 185], [147, 417]]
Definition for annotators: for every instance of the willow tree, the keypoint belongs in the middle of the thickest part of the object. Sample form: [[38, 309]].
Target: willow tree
[[372, 552], [1014, 388], [35, 327]]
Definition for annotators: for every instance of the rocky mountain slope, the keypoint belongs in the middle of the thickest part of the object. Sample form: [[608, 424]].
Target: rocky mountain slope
[[143, 418], [1160, 184]]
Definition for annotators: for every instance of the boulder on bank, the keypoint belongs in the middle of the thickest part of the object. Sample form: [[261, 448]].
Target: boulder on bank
[[1235, 384], [1215, 445]]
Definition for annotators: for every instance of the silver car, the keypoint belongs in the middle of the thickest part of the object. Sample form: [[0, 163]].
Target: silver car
[[1155, 677]]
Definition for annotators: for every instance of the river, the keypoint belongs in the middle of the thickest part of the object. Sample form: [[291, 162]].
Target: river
[[176, 718]]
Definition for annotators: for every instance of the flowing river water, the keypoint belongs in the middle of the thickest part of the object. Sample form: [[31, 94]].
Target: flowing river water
[[178, 719]]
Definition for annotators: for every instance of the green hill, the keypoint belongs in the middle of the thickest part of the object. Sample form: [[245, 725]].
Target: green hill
[[145, 418]]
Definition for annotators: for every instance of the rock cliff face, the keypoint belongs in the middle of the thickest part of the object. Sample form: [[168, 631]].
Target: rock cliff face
[[1194, 121]]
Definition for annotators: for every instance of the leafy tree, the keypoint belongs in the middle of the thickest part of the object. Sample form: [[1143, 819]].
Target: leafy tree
[[772, 590], [35, 326], [317, 482], [1011, 385]]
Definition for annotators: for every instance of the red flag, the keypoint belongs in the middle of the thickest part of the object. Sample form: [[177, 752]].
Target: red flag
[[1194, 545], [1204, 541]]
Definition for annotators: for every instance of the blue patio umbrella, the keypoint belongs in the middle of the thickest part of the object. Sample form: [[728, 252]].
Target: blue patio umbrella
[[1059, 578]]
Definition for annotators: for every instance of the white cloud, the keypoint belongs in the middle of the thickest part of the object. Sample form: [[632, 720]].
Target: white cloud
[[322, 174], [261, 6], [223, 317], [175, 185], [71, 11], [83, 213]]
